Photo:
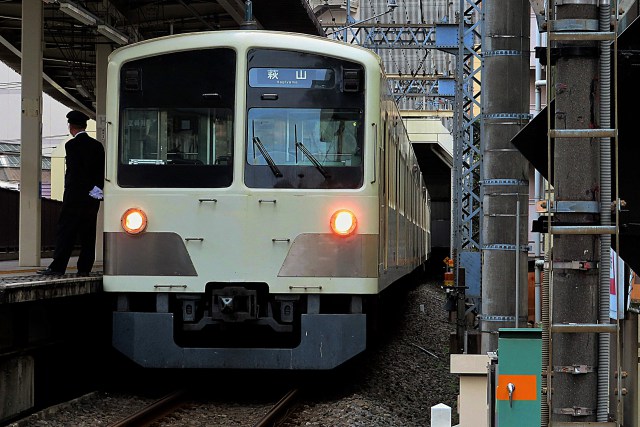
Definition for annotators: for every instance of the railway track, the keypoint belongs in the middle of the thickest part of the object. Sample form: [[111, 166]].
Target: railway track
[[153, 412], [276, 413], [167, 406]]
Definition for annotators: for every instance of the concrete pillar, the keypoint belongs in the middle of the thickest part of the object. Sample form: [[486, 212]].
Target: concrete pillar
[[576, 177], [505, 188], [102, 60], [31, 134]]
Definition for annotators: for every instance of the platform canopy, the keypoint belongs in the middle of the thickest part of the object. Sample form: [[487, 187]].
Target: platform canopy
[[73, 28]]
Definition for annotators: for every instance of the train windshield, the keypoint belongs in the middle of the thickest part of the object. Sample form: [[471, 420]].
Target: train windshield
[[305, 116], [177, 131], [296, 141], [177, 136]]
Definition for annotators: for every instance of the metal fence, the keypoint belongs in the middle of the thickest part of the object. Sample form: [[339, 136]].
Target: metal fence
[[10, 218]]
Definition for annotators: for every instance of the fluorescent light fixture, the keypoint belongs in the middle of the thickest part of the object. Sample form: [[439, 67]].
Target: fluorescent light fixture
[[78, 13], [82, 91], [113, 34]]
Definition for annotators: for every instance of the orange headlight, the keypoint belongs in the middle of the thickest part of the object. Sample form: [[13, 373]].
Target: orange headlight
[[343, 222], [134, 221]]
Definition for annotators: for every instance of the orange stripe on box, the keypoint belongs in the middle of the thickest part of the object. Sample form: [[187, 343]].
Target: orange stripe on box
[[526, 387]]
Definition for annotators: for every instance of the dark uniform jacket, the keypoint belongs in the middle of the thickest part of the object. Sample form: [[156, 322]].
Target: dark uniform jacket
[[85, 167]]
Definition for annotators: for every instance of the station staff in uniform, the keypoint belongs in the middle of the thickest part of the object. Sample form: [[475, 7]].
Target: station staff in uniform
[[83, 184]]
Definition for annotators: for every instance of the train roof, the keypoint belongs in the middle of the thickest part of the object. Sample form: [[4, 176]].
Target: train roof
[[247, 39]]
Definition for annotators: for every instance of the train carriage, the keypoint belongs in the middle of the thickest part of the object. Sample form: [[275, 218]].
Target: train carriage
[[261, 192]]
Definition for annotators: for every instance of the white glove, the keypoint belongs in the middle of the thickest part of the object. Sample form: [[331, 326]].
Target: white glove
[[96, 193]]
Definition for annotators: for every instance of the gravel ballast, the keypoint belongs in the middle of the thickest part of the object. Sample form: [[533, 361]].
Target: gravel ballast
[[395, 383]]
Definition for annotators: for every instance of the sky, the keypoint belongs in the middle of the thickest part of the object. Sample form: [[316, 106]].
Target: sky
[[54, 122]]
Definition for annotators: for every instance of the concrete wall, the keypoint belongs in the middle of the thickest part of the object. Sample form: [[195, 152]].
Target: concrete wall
[[425, 134], [16, 385], [472, 401], [429, 131], [53, 335]]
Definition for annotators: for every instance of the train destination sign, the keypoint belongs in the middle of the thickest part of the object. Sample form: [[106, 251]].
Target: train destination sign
[[303, 78]]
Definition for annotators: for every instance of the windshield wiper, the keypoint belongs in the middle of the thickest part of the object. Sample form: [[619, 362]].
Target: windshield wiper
[[313, 159], [267, 157], [310, 156]]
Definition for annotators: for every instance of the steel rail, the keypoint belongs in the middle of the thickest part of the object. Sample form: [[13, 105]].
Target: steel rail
[[272, 416], [152, 412]]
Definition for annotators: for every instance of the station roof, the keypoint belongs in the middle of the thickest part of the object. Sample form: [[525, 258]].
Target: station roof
[[69, 43]]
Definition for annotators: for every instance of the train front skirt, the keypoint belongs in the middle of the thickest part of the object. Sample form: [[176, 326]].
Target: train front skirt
[[327, 341]]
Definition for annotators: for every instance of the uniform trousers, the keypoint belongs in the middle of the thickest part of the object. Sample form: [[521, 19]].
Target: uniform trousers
[[77, 222]]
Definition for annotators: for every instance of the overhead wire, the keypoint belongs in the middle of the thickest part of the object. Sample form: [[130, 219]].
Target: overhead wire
[[10, 85]]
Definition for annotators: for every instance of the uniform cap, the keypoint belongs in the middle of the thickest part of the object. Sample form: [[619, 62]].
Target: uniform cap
[[77, 118]]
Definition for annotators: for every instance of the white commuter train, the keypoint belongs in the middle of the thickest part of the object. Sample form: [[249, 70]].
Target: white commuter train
[[261, 192]]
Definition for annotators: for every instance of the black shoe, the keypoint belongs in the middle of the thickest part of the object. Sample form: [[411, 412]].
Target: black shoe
[[83, 273], [49, 272]]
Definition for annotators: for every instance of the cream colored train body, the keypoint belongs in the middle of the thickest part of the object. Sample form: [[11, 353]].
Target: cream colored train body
[[231, 151]]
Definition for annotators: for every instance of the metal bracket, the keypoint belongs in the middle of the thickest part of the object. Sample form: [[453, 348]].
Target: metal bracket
[[505, 182], [488, 318], [503, 52], [504, 247], [582, 2], [576, 411], [577, 328], [574, 265], [574, 25], [566, 52], [574, 369], [514, 116], [507, 118], [568, 206]]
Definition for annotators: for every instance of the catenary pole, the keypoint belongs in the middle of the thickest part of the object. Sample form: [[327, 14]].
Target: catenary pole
[[505, 188]]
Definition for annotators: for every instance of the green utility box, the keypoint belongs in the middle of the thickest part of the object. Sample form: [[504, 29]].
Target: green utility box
[[518, 391]]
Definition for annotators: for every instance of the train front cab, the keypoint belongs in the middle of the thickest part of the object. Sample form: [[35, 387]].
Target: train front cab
[[237, 222]]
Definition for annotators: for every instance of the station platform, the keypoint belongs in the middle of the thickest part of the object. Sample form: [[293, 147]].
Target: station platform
[[53, 331], [22, 284]]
